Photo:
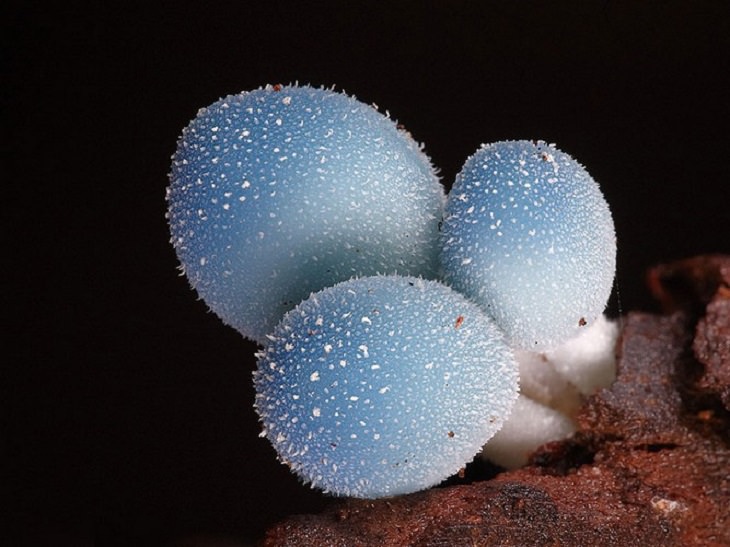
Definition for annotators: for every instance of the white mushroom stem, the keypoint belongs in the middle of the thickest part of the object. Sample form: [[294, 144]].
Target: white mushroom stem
[[552, 384], [543, 384], [529, 426], [588, 361]]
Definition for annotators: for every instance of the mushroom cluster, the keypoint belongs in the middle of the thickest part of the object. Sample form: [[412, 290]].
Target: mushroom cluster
[[393, 321]]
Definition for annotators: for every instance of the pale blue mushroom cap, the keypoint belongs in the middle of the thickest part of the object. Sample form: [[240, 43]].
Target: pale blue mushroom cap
[[383, 385], [282, 191], [528, 235]]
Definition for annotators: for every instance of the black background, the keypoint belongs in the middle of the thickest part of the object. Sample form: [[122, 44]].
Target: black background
[[127, 409]]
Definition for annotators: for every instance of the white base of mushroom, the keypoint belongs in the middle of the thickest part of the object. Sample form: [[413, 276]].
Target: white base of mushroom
[[552, 385]]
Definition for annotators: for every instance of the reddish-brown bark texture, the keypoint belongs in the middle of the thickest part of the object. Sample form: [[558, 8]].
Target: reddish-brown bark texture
[[650, 464]]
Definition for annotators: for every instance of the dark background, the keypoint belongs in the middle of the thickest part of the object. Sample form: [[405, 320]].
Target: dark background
[[127, 409]]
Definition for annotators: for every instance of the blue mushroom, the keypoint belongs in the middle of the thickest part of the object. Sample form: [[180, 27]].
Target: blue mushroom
[[528, 235], [383, 385], [285, 190]]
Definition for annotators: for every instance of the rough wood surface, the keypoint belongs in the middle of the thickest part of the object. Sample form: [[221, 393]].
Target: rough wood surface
[[650, 464]]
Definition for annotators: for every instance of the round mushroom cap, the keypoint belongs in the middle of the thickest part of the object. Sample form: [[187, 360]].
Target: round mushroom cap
[[528, 235], [383, 385], [285, 190]]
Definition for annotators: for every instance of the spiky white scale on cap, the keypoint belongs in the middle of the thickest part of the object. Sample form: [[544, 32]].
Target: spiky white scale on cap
[[281, 191], [528, 235], [390, 405]]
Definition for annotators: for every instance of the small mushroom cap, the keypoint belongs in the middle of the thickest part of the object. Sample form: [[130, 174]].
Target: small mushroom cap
[[383, 385], [285, 190], [528, 235]]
